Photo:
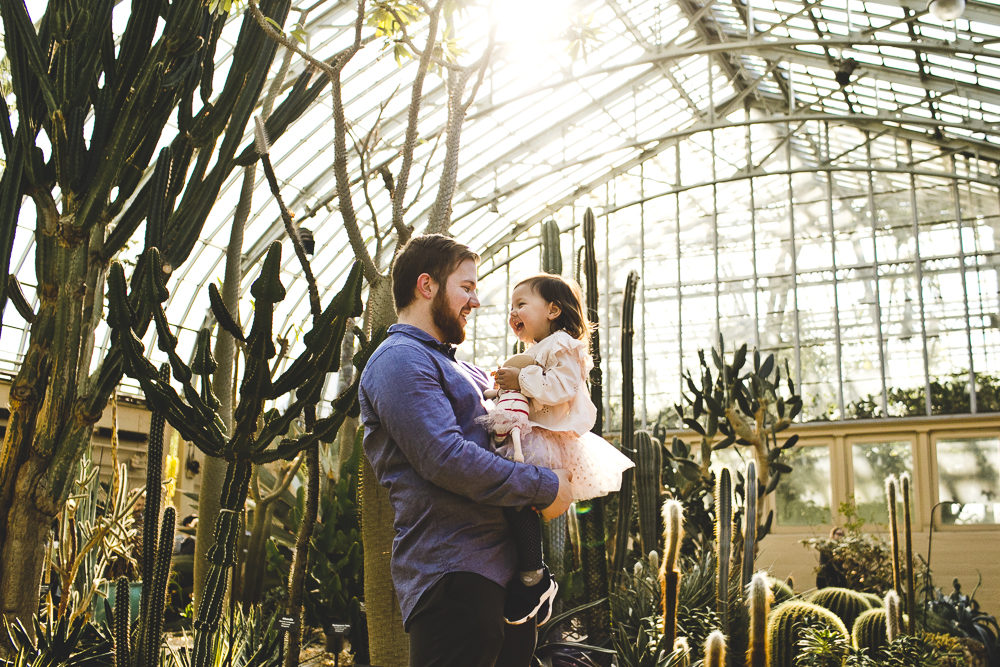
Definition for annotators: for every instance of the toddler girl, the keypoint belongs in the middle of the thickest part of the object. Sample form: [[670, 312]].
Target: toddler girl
[[547, 314]]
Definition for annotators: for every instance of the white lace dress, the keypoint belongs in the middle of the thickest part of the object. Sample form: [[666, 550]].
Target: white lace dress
[[561, 415]]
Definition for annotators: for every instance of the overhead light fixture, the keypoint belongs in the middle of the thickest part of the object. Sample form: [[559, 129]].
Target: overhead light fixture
[[946, 10], [308, 243], [844, 71]]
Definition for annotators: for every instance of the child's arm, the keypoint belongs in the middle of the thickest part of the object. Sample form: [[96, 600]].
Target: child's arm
[[555, 384]]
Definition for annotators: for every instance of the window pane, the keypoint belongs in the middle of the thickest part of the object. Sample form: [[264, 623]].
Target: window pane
[[803, 496], [969, 475], [873, 462]]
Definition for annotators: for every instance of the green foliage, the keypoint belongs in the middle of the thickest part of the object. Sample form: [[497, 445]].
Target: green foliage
[[949, 396], [821, 647], [843, 602], [963, 618], [853, 559], [70, 643]]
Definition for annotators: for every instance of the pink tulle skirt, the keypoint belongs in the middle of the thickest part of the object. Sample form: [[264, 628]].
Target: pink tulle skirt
[[596, 465]]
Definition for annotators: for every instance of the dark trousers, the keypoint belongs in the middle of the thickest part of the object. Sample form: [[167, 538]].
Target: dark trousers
[[458, 622]]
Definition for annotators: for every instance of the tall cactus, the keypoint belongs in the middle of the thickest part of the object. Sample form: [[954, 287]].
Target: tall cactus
[[625, 494], [195, 417], [759, 601], [151, 512], [590, 514], [151, 630], [715, 650], [890, 497], [648, 489], [723, 544], [103, 97], [911, 603], [750, 514], [551, 250], [893, 617], [670, 571], [123, 624]]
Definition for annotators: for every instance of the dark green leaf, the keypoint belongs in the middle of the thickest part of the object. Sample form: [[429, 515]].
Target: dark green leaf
[[766, 367], [781, 467], [790, 442], [694, 426]]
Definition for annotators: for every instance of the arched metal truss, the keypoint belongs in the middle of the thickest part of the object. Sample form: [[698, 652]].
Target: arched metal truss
[[725, 146]]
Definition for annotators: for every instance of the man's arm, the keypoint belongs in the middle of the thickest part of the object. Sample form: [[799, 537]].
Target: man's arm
[[422, 422]]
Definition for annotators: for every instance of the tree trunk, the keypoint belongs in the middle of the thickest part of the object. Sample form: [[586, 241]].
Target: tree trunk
[[389, 644]]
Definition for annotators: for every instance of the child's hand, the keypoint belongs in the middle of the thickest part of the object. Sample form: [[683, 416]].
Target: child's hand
[[507, 378]]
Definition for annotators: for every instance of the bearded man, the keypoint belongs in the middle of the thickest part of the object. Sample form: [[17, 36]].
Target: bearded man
[[453, 553]]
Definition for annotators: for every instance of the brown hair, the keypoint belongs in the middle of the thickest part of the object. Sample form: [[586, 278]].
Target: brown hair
[[436, 255], [567, 295]]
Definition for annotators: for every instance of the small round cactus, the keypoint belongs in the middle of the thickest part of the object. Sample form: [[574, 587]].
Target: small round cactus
[[843, 602], [869, 631], [786, 625]]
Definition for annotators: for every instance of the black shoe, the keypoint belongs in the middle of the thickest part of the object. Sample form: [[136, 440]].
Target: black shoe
[[525, 602]]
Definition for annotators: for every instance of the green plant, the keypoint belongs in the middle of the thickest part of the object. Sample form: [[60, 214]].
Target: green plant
[[869, 632], [962, 616], [723, 544], [715, 650], [551, 249], [122, 640], [781, 590], [648, 490], [693, 485], [673, 522], [843, 602], [750, 512], [196, 419], [787, 625], [893, 617], [696, 615], [890, 495], [821, 647], [909, 651], [911, 596], [855, 560], [71, 642], [759, 600]]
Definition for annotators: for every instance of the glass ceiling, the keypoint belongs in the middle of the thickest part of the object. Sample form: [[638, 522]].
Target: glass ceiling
[[689, 128]]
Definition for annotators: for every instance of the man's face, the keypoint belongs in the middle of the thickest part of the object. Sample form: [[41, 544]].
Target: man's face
[[453, 302]]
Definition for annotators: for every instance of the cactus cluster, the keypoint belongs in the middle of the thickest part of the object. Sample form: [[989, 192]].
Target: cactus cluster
[[195, 415], [785, 628], [843, 602]]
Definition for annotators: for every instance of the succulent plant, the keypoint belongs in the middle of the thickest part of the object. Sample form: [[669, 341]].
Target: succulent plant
[[759, 599], [551, 250], [843, 602], [869, 632], [786, 625], [648, 489], [715, 650], [893, 617], [723, 544], [670, 574]]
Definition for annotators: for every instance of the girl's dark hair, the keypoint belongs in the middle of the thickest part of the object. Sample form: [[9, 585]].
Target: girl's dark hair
[[567, 295]]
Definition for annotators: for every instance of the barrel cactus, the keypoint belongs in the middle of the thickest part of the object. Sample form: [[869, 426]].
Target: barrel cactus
[[869, 631], [843, 602], [782, 591], [874, 600], [786, 626]]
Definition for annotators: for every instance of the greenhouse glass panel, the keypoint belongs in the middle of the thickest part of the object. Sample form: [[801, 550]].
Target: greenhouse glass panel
[[969, 477], [803, 496], [873, 463]]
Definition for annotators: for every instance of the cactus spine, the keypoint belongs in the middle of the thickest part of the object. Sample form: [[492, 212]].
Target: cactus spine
[[648, 488], [723, 543], [893, 621], [715, 650], [869, 632], [890, 495], [785, 626], [908, 544], [843, 602], [750, 514], [759, 600], [590, 514], [670, 572], [123, 623], [551, 250]]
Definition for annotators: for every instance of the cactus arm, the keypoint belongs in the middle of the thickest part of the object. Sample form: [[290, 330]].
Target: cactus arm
[[158, 594], [17, 22], [723, 544]]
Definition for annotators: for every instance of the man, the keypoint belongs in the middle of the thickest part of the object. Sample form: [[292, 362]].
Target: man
[[453, 553]]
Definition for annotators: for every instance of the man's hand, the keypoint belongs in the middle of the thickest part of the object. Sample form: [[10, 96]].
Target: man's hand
[[564, 497], [507, 378]]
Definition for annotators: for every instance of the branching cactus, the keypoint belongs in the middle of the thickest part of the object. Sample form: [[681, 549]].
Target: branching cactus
[[890, 497], [748, 410], [551, 250], [670, 571], [723, 544], [195, 415], [908, 544], [715, 650], [151, 631], [648, 489], [759, 601]]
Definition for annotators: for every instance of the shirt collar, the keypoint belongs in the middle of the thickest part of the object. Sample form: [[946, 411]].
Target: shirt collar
[[413, 332]]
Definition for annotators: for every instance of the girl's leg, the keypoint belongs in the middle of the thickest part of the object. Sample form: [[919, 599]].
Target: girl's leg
[[527, 528]]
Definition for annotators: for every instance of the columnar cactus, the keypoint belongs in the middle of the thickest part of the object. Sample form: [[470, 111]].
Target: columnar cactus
[[870, 632], [893, 618], [670, 571], [551, 250], [683, 652], [625, 501], [648, 488], [759, 600], [723, 543], [148, 651], [908, 544], [890, 496], [785, 628], [123, 624], [750, 514], [715, 650]]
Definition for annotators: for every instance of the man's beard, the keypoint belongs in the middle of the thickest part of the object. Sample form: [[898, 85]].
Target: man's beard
[[447, 322]]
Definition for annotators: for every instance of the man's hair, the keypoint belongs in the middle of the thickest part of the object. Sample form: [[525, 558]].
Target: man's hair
[[436, 255]]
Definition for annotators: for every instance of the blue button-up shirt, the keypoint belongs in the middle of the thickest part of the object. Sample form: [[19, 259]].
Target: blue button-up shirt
[[446, 485]]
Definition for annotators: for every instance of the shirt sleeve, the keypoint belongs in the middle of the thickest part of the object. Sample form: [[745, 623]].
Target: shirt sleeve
[[421, 420], [557, 380]]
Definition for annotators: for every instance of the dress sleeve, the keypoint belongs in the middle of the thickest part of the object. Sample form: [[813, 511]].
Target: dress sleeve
[[558, 377]]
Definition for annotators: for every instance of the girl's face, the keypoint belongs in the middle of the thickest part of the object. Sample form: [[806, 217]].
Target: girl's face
[[531, 316]]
